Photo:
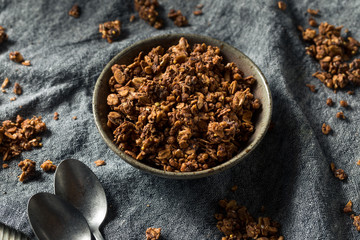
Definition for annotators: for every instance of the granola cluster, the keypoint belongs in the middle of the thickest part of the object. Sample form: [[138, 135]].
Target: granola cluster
[[181, 109], [3, 35], [19, 136], [74, 11], [237, 223], [147, 11], [18, 58], [153, 233], [28, 169], [179, 19], [48, 166], [333, 51], [110, 30]]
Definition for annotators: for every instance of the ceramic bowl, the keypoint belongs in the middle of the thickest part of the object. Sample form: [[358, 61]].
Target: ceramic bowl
[[230, 54]]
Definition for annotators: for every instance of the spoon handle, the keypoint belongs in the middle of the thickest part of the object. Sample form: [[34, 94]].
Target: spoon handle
[[97, 234]]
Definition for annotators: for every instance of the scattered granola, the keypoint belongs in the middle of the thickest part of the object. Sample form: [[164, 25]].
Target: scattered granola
[[332, 51], [181, 109], [326, 129], [234, 188], [312, 22], [329, 102], [100, 162], [19, 136], [110, 30], [358, 162], [313, 12], [356, 222], [16, 57], [48, 166], [17, 89], [5, 83], [350, 92], [237, 223], [3, 35], [12, 98], [282, 5], [5, 165], [132, 18], [28, 169], [26, 63], [147, 11], [74, 117], [348, 207], [153, 233], [338, 173], [179, 19], [340, 115], [75, 11], [56, 116], [311, 87], [344, 103], [197, 12]]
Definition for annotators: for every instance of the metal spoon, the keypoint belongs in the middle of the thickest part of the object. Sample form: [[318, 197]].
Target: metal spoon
[[78, 185], [52, 218]]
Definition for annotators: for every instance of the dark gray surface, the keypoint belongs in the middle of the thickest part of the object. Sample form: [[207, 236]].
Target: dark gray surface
[[288, 173]]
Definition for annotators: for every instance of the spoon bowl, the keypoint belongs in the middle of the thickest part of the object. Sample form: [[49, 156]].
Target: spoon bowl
[[52, 218], [78, 185]]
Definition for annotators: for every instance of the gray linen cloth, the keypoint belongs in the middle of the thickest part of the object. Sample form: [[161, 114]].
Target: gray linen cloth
[[288, 173]]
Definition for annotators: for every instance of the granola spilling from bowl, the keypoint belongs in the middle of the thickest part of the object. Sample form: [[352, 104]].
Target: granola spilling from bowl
[[181, 109]]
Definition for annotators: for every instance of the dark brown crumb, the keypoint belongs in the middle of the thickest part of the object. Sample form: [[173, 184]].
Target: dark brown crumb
[[338, 173], [340, 115], [5, 165], [236, 223], [110, 30], [3, 35], [348, 207], [132, 18], [197, 12], [28, 169], [12, 98], [100, 162], [75, 11], [312, 22], [313, 12], [326, 129], [153, 233], [350, 92], [344, 103], [147, 11], [282, 5], [311, 87], [329, 102], [234, 188], [26, 63], [56, 116], [5, 83], [16, 57], [74, 117], [179, 19], [17, 89], [48, 166]]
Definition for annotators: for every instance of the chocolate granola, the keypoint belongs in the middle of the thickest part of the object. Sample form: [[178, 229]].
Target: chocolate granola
[[181, 109], [110, 30], [3, 35], [147, 11]]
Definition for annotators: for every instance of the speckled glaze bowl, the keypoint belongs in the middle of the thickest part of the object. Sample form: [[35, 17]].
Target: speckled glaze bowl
[[230, 54]]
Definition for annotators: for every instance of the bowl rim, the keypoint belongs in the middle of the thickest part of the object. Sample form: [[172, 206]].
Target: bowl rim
[[182, 175]]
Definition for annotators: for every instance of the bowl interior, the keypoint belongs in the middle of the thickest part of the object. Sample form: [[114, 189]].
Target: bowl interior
[[230, 54]]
